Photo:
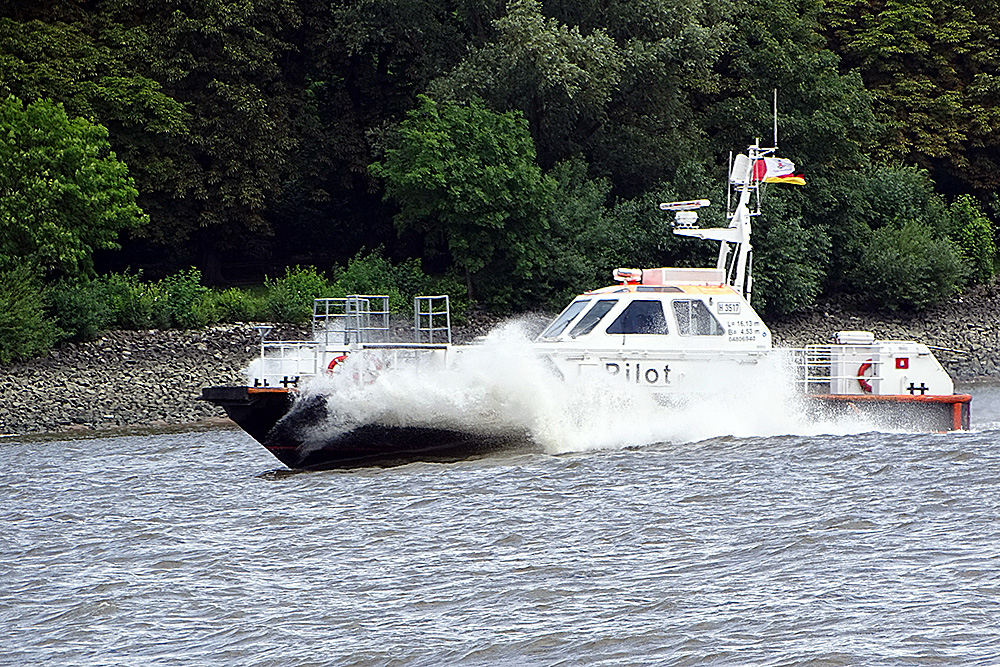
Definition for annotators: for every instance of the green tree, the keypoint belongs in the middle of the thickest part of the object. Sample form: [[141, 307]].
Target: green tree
[[77, 55], [790, 261], [63, 193], [466, 177], [933, 67], [361, 65], [901, 255], [973, 234], [235, 68], [68, 57], [558, 77], [654, 123], [576, 249], [907, 267]]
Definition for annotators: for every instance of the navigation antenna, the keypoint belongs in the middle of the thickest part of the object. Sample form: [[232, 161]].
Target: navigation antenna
[[775, 119]]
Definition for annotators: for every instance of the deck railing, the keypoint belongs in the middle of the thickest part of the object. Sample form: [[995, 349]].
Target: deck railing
[[432, 319], [358, 318], [359, 322], [836, 369]]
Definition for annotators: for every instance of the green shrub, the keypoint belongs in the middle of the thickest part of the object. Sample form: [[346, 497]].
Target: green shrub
[[290, 298], [236, 305], [973, 234], [374, 274], [907, 267], [789, 263], [182, 301], [81, 308], [25, 331], [130, 300]]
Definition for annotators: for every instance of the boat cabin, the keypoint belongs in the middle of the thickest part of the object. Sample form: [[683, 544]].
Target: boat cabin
[[661, 309]]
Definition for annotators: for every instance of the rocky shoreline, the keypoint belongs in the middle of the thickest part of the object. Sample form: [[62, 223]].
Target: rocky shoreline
[[153, 378]]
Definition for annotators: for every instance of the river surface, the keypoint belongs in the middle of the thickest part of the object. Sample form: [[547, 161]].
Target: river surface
[[194, 548]]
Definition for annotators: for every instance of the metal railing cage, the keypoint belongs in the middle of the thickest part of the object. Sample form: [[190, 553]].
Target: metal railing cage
[[824, 369], [432, 319], [358, 318]]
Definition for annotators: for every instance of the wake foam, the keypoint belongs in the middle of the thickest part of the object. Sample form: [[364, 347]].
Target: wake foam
[[503, 387]]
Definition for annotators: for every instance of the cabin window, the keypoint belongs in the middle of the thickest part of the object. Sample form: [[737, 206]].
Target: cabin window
[[695, 319], [565, 317], [593, 316], [640, 317]]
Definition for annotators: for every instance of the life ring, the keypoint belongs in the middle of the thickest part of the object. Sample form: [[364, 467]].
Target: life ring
[[368, 374], [866, 386], [335, 361]]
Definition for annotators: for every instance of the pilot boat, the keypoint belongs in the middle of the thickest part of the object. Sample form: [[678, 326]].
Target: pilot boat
[[675, 333]]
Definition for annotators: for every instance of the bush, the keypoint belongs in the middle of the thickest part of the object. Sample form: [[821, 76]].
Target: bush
[[25, 331], [182, 302], [907, 267], [130, 300], [81, 308], [236, 305], [290, 298], [84, 308], [374, 274], [972, 233], [790, 265]]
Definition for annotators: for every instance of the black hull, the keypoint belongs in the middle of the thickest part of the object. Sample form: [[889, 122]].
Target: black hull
[[289, 430], [295, 431]]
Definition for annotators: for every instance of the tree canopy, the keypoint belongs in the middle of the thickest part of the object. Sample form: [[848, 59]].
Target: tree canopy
[[63, 193], [495, 137], [467, 178]]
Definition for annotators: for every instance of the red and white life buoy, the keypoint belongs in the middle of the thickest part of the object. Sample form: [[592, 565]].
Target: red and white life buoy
[[368, 373], [866, 386]]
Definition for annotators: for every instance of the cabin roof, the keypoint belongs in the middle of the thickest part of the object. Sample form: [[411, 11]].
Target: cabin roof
[[676, 289]]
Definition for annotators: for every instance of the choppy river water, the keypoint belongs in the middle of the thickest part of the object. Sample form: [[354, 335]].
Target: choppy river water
[[195, 549]]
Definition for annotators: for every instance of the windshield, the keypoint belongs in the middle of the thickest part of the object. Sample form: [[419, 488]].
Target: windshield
[[593, 316], [565, 317]]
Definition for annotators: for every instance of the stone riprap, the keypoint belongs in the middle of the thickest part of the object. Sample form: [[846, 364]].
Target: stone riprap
[[127, 378]]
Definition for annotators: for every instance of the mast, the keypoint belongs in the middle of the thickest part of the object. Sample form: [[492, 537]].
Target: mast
[[747, 174], [735, 250]]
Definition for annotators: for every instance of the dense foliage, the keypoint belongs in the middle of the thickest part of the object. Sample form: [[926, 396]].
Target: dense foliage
[[33, 316], [519, 146], [63, 194]]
